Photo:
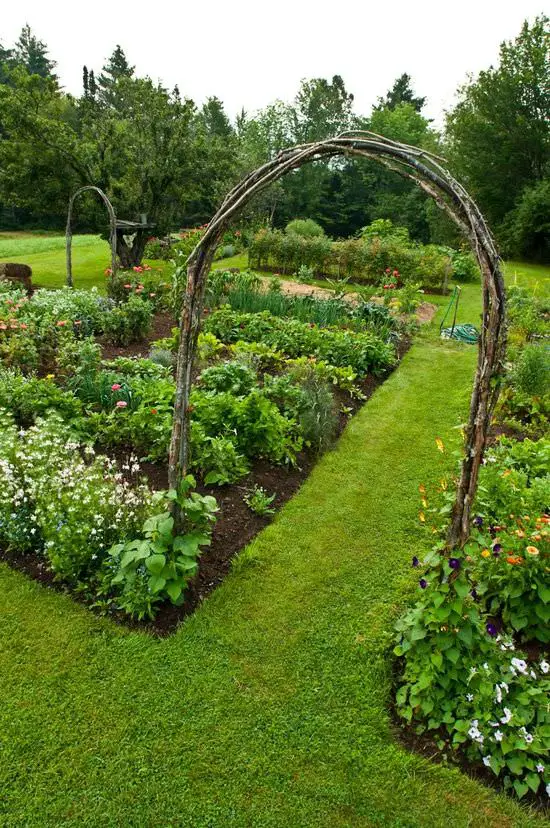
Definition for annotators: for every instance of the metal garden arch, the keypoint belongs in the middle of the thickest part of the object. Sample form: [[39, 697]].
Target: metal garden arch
[[69, 235], [428, 172]]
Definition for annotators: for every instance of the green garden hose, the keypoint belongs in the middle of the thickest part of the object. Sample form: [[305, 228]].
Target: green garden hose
[[463, 333]]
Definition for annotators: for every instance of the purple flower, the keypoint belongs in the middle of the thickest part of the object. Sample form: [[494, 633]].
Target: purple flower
[[491, 629], [496, 549], [474, 594], [478, 521], [423, 583], [415, 561], [454, 563]]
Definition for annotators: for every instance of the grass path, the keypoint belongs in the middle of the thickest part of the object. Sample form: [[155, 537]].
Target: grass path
[[269, 707]]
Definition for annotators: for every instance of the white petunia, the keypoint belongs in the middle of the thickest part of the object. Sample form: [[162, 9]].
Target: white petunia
[[487, 761], [507, 716]]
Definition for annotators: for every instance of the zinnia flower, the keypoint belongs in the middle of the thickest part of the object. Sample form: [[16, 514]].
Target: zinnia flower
[[532, 550], [485, 554], [121, 404], [116, 387]]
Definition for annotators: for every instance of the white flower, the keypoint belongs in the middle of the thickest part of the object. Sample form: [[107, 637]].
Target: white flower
[[469, 696], [526, 735], [498, 735], [548, 789], [544, 666], [540, 768], [520, 665], [487, 761], [507, 716], [498, 693]]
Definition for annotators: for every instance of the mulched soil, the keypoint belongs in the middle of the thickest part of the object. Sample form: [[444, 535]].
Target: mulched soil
[[236, 524], [160, 329]]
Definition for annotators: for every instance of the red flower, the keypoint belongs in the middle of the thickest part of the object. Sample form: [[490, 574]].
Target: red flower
[[61, 323], [396, 273], [154, 411]]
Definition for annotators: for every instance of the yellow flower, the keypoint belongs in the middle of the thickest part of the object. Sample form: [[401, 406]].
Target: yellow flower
[[50, 376], [532, 550], [422, 517], [424, 503], [439, 444], [485, 554]]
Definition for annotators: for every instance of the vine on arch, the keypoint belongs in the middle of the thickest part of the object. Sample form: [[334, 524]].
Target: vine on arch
[[428, 172], [69, 235]]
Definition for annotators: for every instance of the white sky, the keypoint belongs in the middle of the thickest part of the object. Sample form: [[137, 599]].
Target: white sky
[[250, 53]]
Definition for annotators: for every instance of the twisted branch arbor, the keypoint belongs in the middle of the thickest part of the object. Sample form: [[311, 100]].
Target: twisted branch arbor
[[69, 233], [428, 172]]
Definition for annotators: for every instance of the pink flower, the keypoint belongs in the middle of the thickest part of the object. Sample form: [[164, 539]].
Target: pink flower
[[77, 322], [128, 287], [121, 404], [396, 273], [137, 269], [388, 270], [3, 327], [108, 271], [116, 387], [23, 326]]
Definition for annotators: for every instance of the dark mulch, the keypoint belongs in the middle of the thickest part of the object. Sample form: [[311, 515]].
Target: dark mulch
[[160, 329]]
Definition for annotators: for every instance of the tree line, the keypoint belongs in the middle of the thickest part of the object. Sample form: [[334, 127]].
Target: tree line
[[155, 152]]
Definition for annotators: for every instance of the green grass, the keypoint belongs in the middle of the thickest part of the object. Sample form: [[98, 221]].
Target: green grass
[[270, 706], [532, 276]]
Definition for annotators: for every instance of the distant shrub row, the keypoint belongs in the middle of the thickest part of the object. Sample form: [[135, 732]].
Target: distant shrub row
[[380, 251]]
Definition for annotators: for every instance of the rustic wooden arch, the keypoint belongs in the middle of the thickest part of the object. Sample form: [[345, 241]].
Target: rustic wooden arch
[[428, 172], [69, 235]]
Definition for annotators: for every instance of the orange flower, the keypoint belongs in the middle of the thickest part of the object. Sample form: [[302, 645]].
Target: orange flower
[[514, 559], [422, 489], [532, 550]]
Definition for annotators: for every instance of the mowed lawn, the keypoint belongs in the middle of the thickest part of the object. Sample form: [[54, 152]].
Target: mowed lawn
[[271, 705]]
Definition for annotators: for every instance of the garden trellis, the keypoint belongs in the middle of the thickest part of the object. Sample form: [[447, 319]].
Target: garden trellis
[[69, 235], [429, 173]]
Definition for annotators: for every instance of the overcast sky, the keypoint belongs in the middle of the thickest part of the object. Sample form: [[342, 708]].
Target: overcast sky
[[250, 53]]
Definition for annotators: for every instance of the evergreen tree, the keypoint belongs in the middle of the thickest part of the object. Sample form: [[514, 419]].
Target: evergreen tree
[[33, 55], [401, 92], [116, 68]]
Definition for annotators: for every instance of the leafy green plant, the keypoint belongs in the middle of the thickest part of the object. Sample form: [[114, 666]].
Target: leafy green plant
[[128, 322], [467, 685], [531, 373], [158, 564], [234, 377], [259, 501], [217, 458]]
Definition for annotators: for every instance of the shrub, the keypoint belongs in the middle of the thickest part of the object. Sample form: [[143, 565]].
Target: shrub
[[307, 228], [531, 373], [128, 322]]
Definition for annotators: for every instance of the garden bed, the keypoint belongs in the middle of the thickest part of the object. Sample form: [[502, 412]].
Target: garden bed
[[236, 524]]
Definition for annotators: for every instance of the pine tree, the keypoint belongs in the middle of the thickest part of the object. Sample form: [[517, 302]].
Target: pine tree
[[33, 54], [401, 92], [116, 68]]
